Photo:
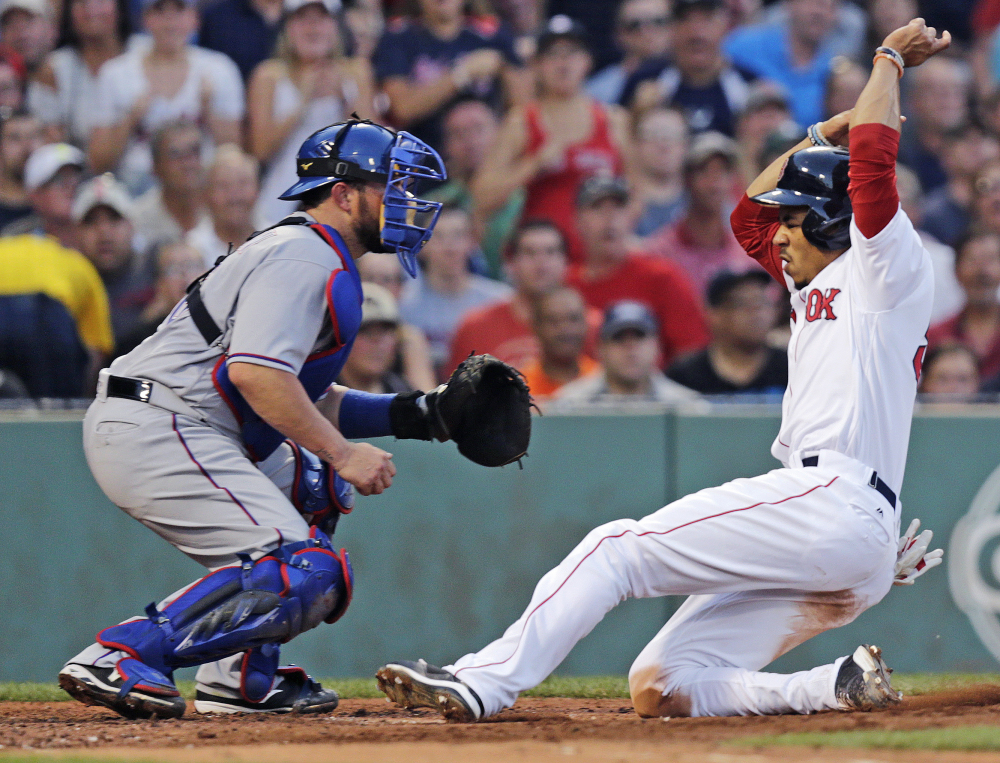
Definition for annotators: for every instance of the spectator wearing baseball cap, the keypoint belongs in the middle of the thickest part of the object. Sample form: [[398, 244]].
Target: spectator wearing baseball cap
[[51, 176], [104, 217], [555, 142], [306, 86], [559, 320], [55, 328], [423, 64], [611, 273], [26, 28], [128, 111], [742, 308], [63, 90], [701, 241], [701, 82], [369, 367], [593, 16], [20, 135], [642, 34], [628, 372]]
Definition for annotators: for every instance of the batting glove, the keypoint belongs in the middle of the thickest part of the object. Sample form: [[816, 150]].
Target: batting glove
[[912, 557]]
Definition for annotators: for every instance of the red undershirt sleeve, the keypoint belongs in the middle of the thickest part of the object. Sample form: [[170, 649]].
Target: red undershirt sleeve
[[754, 226], [872, 188]]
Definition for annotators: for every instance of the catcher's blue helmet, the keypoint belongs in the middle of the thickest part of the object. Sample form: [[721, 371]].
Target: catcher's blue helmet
[[362, 150]]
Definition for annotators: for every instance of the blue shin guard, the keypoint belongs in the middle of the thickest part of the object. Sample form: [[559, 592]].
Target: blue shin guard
[[290, 590], [318, 492], [260, 667], [257, 671]]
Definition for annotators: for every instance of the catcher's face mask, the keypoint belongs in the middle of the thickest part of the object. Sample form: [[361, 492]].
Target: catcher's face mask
[[408, 221]]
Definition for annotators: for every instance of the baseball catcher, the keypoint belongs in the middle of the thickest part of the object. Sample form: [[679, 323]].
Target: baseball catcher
[[224, 434]]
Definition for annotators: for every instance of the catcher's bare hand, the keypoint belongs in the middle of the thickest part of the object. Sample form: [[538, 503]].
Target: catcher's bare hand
[[916, 42], [912, 557], [836, 128], [368, 468]]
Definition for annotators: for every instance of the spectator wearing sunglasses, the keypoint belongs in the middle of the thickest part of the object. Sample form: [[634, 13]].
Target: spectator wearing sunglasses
[[642, 31]]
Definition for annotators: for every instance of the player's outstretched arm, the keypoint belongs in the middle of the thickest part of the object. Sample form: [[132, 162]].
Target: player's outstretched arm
[[484, 408], [279, 398], [879, 101], [876, 122]]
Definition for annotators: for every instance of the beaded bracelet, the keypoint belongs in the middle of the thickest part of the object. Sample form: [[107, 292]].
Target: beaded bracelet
[[816, 137], [891, 55]]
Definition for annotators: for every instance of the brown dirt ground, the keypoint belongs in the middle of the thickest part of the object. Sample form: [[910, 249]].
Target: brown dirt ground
[[534, 731]]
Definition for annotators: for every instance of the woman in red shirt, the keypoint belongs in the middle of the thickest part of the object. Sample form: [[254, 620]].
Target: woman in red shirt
[[554, 143]]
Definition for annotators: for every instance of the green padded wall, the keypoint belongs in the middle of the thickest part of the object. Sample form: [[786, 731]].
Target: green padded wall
[[448, 557]]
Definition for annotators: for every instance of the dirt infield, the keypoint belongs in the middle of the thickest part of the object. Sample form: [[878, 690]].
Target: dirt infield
[[534, 731]]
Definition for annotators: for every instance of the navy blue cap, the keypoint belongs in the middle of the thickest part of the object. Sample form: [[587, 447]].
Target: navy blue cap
[[723, 283], [561, 27], [628, 314]]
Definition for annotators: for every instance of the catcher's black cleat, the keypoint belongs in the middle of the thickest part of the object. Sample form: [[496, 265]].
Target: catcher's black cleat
[[863, 681], [295, 693], [150, 695], [417, 684]]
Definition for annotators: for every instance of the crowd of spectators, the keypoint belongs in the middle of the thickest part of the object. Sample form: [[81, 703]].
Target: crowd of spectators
[[595, 149]]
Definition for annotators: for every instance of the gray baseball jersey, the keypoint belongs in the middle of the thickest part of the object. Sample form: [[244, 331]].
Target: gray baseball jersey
[[269, 300]]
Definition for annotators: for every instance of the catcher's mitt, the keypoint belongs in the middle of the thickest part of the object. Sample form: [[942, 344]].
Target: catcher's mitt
[[485, 407]]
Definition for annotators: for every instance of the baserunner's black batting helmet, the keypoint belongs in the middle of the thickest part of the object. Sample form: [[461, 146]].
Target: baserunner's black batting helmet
[[816, 178]]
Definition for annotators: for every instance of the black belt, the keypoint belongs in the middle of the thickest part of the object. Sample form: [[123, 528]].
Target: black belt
[[130, 389], [875, 481]]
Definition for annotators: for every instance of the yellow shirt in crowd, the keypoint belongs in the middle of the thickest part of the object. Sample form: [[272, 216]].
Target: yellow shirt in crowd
[[32, 264]]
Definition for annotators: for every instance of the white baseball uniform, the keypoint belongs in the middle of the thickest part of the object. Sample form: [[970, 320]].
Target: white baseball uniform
[[771, 561], [178, 463]]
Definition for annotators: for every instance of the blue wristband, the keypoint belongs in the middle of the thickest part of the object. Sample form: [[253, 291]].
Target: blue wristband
[[364, 414]]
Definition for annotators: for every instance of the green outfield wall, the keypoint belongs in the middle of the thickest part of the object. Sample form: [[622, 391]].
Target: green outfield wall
[[448, 557]]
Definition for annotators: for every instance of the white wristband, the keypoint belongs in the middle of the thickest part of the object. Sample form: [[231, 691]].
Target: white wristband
[[817, 138]]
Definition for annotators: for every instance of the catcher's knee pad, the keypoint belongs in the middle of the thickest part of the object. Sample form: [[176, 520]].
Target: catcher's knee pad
[[318, 492], [288, 591]]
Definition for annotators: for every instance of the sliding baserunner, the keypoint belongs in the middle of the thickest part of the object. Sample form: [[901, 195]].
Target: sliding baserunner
[[772, 561]]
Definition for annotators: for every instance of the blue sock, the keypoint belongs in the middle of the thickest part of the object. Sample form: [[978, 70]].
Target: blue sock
[[363, 414]]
